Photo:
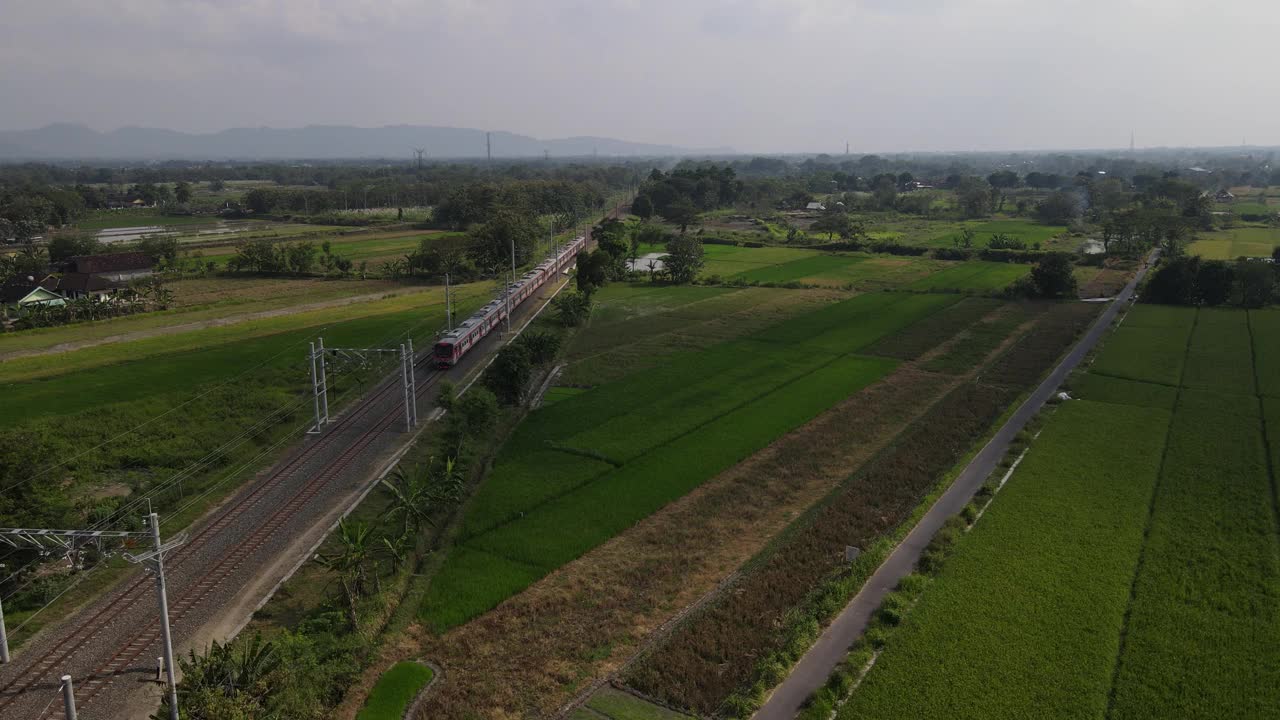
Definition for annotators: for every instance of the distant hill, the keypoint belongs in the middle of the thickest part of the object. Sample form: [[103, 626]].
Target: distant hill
[[63, 141]]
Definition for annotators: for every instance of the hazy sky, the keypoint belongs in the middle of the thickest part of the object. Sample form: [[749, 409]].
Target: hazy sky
[[758, 75]]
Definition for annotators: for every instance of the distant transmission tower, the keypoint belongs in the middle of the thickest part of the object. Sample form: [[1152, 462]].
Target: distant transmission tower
[[846, 147], [488, 149], [1130, 141], [419, 152]]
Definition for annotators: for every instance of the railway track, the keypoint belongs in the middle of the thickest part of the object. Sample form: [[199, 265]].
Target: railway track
[[359, 428], [41, 676]]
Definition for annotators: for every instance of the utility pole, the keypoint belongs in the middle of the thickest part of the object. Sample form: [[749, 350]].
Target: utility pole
[[71, 542], [319, 387], [513, 282], [413, 383], [488, 151], [448, 304], [4, 637], [157, 555], [404, 376]]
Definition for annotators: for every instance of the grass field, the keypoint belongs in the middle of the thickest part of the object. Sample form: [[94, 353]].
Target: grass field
[[974, 275], [1025, 230], [613, 704], [1024, 620], [626, 448], [91, 376], [394, 692], [106, 219], [373, 248], [219, 300], [1134, 552], [1248, 241]]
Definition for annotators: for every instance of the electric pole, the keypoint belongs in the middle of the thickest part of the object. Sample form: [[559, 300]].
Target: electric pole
[[448, 304], [488, 151]]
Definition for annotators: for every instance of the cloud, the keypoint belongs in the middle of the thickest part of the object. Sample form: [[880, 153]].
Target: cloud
[[766, 75]]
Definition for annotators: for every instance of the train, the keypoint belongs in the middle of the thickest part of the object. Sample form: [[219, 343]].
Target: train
[[450, 348]]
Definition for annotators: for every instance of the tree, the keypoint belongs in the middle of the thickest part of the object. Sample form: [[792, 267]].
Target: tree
[[572, 308], [973, 195], [1257, 284], [964, 239], [1173, 282], [681, 212], [473, 415], [491, 242], [1054, 276], [1003, 179], [833, 223], [592, 272], [1060, 208], [217, 185], [1214, 282], [163, 249], [70, 244], [509, 374], [611, 239], [422, 490], [350, 563], [684, 259], [642, 207], [182, 192]]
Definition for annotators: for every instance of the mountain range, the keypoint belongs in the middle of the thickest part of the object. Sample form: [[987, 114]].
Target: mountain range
[[62, 141]]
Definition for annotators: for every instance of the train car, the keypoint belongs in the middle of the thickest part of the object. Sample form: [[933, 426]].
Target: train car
[[450, 348]]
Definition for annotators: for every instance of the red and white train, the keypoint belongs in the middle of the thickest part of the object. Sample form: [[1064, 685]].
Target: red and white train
[[450, 348]]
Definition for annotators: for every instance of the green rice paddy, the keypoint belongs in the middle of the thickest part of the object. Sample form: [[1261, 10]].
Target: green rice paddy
[[591, 465]]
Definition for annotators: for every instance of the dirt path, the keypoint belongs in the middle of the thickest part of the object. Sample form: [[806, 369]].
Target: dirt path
[[203, 324], [812, 671]]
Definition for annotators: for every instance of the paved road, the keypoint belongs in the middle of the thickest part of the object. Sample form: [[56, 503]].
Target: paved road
[[816, 666]]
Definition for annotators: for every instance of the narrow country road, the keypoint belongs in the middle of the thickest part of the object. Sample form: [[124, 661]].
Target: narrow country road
[[833, 645]]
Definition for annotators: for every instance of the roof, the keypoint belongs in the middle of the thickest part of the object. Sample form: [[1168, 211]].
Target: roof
[[115, 262], [18, 287], [815, 206], [82, 282]]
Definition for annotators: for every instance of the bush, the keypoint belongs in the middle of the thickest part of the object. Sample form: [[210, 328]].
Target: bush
[[952, 253], [542, 346], [509, 374]]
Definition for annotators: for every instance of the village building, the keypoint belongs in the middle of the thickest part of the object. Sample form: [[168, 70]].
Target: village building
[[118, 267], [26, 291]]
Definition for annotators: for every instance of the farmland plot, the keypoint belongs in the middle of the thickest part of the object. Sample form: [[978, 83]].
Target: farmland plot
[[1205, 618], [719, 651], [973, 276], [1024, 620], [634, 445], [1201, 608]]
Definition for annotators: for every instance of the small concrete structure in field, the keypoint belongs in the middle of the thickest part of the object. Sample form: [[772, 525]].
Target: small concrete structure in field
[[649, 262]]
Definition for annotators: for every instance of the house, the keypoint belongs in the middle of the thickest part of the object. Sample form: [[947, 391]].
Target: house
[[26, 292], [916, 185], [815, 206], [1224, 196], [79, 285], [117, 267]]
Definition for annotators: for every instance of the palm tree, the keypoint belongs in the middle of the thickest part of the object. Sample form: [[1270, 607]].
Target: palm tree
[[349, 562], [420, 490]]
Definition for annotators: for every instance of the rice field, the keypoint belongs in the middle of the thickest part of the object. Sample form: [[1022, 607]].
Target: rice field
[[1248, 241], [1134, 553], [974, 275], [1032, 633], [588, 466]]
